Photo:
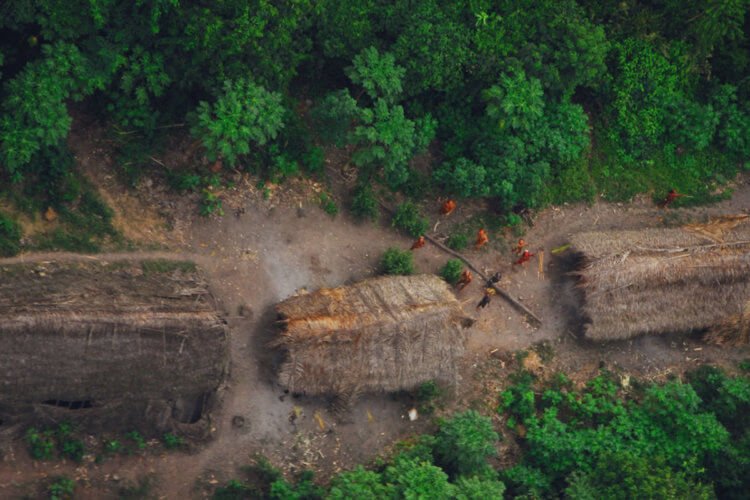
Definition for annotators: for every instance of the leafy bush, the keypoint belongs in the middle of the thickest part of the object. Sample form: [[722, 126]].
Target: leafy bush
[[364, 203], [10, 236], [172, 441], [407, 217], [41, 443], [451, 271], [361, 484], [328, 204], [457, 241], [243, 114], [62, 488], [414, 479], [465, 442], [395, 261]]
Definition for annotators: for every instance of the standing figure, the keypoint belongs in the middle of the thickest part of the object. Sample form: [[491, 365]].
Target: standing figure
[[525, 257], [418, 244], [448, 207], [519, 247], [488, 293], [494, 279], [671, 196], [482, 239], [464, 280]]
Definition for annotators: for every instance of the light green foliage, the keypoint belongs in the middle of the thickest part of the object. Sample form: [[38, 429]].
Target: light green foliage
[[465, 442], [41, 443], [622, 476], [34, 114], [172, 441], [62, 488], [408, 218], [389, 140], [361, 484], [378, 74], [418, 480], [10, 236], [451, 271], [433, 46], [516, 103], [395, 261], [644, 83], [477, 488], [364, 203], [243, 114]]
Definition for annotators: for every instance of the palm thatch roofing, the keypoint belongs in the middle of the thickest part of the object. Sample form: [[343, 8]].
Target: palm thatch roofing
[[383, 334], [666, 280], [120, 345]]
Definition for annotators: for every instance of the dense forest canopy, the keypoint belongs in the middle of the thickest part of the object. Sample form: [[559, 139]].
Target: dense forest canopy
[[526, 102]]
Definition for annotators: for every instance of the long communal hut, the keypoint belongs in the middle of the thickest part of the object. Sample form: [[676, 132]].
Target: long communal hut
[[653, 281], [380, 335], [117, 345]]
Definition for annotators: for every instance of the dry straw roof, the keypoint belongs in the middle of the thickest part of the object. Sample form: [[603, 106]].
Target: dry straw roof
[[382, 334], [665, 280], [127, 338]]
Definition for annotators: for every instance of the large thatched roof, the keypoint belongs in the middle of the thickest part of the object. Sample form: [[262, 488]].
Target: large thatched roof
[[665, 280], [121, 343], [382, 334]]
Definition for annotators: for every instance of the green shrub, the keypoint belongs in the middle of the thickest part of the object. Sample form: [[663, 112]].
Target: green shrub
[[360, 484], [451, 271], [10, 236], [243, 114], [395, 261], [465, 442], [137, 438], [328, 204], [41, 443], [407, 218], [62, 488], [415, 479], [172, 441], [364, 203], [234, 490], [457, 241]]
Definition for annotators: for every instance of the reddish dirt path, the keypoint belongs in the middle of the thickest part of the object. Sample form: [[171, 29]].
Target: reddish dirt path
[[259, 257]]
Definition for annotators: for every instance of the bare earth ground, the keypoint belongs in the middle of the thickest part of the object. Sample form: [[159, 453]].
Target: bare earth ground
[[286, 243]]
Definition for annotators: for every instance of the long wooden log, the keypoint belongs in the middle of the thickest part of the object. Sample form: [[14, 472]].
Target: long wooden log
[[520, 307]]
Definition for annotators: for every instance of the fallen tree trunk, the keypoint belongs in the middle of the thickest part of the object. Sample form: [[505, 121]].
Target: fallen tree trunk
[[519, 307]]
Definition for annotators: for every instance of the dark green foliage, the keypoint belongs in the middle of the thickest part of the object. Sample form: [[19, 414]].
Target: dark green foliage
[[10, 236], [457, 241], [451, 271], [465, 442], [407, 218], [302, 489], [674, 438], [139, 443], [364, 203], [62, 488], [395, 261]]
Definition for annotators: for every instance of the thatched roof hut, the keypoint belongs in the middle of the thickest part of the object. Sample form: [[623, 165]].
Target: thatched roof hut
[[665, 280], [382, 334], [116, 345]]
